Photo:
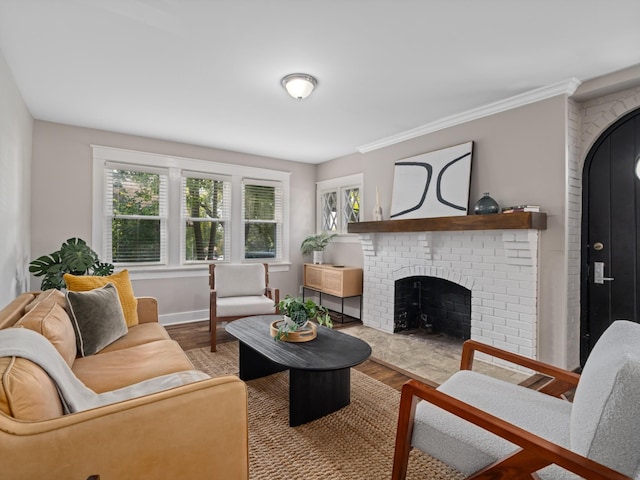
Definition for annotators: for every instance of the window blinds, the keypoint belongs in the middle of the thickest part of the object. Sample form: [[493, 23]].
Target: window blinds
[[135, 216]]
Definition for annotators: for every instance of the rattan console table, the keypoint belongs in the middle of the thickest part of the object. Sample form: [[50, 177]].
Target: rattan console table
[[334, 280]]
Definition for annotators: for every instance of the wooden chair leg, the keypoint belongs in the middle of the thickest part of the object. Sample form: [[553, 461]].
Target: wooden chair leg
[[212, 320], [214, 324], [408, 403]]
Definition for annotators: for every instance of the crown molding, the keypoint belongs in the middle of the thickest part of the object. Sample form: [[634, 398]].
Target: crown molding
[[566, 87]]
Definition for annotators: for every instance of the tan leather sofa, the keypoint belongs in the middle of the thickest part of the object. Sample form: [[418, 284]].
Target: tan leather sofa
[[194, 431]]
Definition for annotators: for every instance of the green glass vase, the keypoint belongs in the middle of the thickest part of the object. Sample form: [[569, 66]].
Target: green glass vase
[[486, 205]]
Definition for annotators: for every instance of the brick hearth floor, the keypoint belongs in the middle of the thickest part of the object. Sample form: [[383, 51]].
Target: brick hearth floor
[[431, 356]]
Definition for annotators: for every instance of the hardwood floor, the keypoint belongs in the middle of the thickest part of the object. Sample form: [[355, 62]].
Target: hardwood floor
[[197, 335]]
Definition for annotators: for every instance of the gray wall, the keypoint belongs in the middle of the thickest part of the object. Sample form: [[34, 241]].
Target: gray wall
[[16, 128], [519, 157], [61, 205]]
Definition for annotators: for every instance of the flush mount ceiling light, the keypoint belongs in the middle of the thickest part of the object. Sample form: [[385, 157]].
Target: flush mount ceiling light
[[299, 85]]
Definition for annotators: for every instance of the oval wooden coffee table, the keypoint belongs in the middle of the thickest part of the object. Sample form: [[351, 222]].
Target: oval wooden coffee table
[[319, 370]]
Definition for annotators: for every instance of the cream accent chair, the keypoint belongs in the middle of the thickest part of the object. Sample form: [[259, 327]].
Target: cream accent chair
[[490, 429], [237, 291]]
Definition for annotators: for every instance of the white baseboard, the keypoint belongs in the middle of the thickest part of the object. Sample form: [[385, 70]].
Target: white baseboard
[[183, 317]]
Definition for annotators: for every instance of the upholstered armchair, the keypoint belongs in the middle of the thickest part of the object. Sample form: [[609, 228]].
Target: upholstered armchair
[[237, 291], [490, 429]]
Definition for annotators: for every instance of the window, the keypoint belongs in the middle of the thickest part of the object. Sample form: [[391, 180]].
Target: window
[[339, 202], [207, 203], [135, 220], [156, 212], [350, 205], [329, 211], [262, 219]]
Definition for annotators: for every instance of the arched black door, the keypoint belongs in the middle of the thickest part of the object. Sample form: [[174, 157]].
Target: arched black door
[[610, 231]]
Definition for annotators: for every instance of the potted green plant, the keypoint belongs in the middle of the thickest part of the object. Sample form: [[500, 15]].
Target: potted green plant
[[75, 257], [316, 244], [298, 312]]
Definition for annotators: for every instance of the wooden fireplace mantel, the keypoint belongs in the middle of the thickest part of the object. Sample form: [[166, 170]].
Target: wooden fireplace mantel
[[499, 221]]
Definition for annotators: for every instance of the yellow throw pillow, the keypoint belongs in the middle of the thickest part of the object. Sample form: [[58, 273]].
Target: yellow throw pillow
[[121, 281]]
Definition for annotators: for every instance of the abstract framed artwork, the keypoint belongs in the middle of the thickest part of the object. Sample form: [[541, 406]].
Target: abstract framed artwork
[[433, 184]]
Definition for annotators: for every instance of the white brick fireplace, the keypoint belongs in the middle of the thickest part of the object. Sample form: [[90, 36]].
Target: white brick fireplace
[[499, 267]]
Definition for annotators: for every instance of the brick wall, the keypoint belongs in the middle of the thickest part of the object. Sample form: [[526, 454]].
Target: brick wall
[[499, 267], [573, 231], [585, 123]]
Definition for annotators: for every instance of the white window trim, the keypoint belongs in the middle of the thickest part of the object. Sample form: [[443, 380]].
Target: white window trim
[[175, 267], [338, 184]]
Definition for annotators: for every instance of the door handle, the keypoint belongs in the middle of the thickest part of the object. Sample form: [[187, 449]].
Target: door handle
[[598, 274]]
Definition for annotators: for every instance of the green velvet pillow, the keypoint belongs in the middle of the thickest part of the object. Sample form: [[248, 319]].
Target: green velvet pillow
[[97, 318]]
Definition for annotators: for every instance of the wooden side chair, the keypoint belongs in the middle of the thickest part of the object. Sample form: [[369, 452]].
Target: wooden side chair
[[237, 291], [490, 429]]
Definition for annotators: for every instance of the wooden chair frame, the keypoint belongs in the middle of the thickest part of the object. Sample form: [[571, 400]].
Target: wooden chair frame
[[534, 452], [272, 293]]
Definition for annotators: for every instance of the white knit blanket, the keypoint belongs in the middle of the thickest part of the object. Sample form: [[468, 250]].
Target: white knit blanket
[[74, 395]]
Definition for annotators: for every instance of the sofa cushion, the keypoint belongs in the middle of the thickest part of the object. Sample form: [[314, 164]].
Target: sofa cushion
[[234, 306], [97, 318], [13, 312], [116, 369], [83, 283], [26, 391], [138, 335], [240, 280], [50, 320], [605, 421], [51, 295]]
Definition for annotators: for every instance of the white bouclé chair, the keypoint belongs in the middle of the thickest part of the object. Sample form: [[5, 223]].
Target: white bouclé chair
[[490, 429], [237, 291]]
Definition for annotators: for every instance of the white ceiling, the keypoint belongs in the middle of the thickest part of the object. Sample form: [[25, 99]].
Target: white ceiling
[[207, 72]]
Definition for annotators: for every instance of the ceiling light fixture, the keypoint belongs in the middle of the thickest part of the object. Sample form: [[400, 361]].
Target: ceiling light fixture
[[299, 85]]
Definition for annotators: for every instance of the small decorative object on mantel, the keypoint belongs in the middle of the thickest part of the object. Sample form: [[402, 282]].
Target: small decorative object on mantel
[[521, 208], [296, 315], [316, 244], [377, 211], [486, 205]]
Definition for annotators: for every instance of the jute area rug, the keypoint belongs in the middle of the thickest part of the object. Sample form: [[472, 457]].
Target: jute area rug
[[356, 442]]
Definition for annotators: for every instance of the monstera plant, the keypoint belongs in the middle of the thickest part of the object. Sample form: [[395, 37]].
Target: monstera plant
[[75, 257]]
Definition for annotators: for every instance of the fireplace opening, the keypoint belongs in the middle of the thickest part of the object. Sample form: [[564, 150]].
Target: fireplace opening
[[434, 305]]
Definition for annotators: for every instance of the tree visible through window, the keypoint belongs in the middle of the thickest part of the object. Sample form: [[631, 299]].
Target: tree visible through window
[[136, 216], [157, 213], [262, 216], [207, 205], [339, 203], [351, 205]]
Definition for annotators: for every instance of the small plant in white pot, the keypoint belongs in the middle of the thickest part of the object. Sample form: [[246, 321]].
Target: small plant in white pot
[[298, 312], [316, 244]]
